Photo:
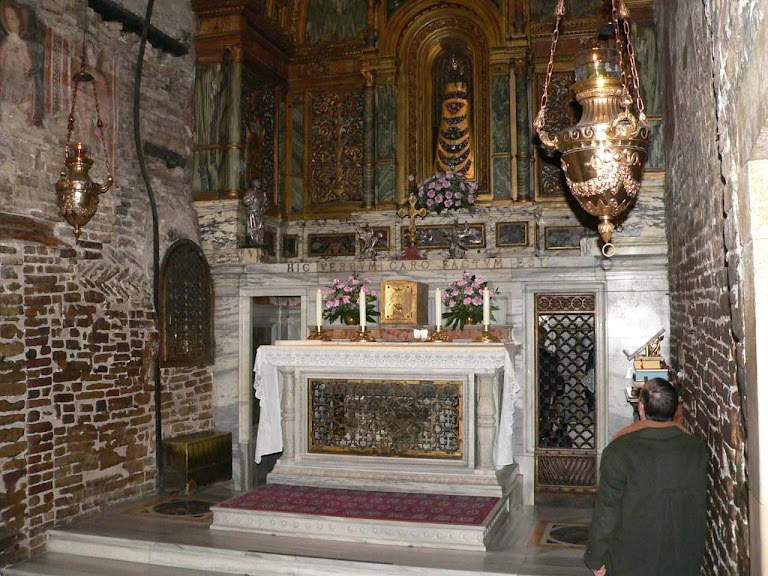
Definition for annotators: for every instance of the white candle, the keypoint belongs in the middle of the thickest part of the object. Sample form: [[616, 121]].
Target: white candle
[[319, 310], [438, 310], [361, 303], [486, 307]]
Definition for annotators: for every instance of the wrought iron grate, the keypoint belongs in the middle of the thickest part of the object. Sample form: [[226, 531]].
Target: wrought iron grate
[[566, 371]]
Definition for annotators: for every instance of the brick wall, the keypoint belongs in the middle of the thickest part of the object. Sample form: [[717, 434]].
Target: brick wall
[[715, 86], [76, 318]]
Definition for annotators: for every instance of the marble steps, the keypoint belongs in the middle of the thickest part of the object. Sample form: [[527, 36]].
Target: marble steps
[[71, 553], [462, 482], [54, 564]]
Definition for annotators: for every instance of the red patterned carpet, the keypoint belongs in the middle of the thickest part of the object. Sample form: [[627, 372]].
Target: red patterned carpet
[[370, 505]]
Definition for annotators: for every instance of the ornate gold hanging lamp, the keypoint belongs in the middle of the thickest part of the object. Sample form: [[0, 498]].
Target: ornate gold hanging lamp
[[78, 195], [603, 155]]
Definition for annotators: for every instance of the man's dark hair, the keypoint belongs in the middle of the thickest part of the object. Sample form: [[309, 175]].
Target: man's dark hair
[[659, 398]]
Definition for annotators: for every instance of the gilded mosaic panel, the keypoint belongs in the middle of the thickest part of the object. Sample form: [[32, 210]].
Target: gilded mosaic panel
[[336, 147], [405, 418]]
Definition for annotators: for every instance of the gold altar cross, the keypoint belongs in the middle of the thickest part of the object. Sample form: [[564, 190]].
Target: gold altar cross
[[412, 213]]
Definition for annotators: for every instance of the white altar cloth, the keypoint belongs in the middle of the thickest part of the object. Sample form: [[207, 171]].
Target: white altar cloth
[[466, 357]]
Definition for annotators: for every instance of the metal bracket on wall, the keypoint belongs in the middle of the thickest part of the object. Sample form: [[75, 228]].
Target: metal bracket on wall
[[111, 11]]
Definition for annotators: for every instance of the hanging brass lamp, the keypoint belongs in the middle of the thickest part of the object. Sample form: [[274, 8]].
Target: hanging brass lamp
[[78, 195], [603, 155]]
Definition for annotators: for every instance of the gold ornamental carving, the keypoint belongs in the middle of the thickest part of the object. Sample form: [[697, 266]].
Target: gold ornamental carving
[[558, 115], [404, 302], [336, 148]]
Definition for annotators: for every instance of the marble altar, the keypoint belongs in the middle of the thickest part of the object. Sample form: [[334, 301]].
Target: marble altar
[[491, 390]]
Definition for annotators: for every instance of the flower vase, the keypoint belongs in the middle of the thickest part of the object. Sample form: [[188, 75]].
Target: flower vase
[[351, 319]]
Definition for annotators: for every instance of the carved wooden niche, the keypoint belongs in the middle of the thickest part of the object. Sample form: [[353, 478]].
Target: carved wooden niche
[[186, 307]]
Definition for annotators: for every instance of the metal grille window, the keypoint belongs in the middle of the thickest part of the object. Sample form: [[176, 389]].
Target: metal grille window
[[186, 307]]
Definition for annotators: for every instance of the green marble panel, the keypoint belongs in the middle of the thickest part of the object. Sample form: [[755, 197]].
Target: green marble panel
[[647, 57], [211, 107], [334, 20], [502, 178], [386, 122], [501, 122], [385, 183]]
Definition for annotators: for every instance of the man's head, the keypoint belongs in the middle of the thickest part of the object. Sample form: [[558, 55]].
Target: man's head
[[658, 400]]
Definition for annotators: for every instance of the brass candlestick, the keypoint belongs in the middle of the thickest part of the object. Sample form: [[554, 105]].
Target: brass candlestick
[[440, 336], [319, 334], [486, 335], [362, 336]]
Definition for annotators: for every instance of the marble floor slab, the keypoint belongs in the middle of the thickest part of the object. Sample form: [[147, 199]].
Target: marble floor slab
[[158, 546]]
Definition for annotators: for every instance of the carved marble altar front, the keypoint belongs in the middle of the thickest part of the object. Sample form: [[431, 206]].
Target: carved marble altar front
[[485, 384]]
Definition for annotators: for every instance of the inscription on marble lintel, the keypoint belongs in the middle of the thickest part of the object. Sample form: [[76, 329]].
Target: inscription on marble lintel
[[409, 265]]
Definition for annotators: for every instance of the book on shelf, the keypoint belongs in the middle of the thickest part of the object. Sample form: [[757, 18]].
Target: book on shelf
[[649, 363], [642, 375]]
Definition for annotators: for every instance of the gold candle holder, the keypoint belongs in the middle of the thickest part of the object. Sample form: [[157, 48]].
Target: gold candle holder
[[362, 336], [440, 336], [486, 336], [318, 333]]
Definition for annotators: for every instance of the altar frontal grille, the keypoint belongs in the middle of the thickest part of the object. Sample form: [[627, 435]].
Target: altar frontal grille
[[397, 418]]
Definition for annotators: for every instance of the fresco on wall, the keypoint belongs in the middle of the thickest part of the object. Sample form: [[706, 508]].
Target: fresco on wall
[[644, 41], [335, 20], [22, 57]]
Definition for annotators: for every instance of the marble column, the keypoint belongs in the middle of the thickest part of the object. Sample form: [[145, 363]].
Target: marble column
[[502, 137], [486, 421], [289, 413], [280, 116], [369, 142], [386, 141], [522, 120], [235, 138]]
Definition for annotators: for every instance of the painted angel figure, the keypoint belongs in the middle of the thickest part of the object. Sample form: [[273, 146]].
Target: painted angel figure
[[256, 204]]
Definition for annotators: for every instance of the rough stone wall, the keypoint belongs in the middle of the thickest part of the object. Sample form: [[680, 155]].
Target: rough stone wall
[[714, 81], [76, 318]]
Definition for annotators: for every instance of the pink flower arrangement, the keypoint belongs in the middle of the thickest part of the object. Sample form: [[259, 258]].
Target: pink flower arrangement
[[463, 301], [446, 191], [341, 299]]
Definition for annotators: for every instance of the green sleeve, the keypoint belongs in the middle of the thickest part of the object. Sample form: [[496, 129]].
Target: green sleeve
[[607, 513]]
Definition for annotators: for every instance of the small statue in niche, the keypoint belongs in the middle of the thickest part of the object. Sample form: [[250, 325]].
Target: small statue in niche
[[256, 204], [368, 240], [461, 239]]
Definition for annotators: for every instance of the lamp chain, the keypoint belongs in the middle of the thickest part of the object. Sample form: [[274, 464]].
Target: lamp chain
[[627, 99], [539, 122], [635, 75], [100, 126]]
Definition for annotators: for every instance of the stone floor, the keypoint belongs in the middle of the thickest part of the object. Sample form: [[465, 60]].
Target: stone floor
[[116, 542]]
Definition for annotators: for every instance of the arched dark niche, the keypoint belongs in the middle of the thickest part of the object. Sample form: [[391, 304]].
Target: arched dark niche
[[186, 307]]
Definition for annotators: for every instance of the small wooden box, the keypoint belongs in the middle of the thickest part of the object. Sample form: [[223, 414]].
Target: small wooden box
[[197, 460], [404, 302]]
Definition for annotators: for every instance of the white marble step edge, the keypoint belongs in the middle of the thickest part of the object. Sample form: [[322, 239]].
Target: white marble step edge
[[53, 564], [365, 531], [225, 561], [443, 482]]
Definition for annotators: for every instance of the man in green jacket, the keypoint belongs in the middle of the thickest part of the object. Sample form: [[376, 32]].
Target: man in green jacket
[[650, 513]]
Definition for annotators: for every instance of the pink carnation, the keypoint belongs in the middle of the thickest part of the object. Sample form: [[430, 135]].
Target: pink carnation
[[467, 300]]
